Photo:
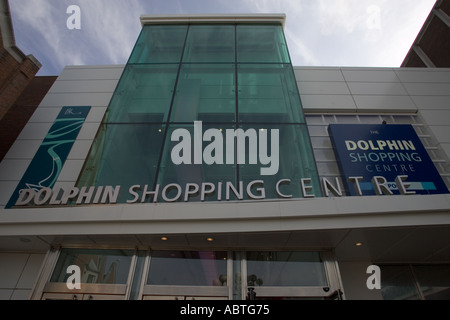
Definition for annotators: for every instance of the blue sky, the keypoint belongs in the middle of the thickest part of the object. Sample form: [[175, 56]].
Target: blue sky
[[372, 33]]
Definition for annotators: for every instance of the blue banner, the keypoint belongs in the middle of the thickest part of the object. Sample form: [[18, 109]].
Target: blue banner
[[47, 164], [386, 151]]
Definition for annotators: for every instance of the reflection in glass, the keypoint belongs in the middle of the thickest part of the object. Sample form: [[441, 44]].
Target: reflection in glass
[[295, 161], [143, 95], [192, 268], [124, 155], [397, 283], [434, 281], [205, 92], [210, 43], [261, 43], [272, 268], [268, 93], [97, 266], [183, 148], [226, 76], [159, 44]]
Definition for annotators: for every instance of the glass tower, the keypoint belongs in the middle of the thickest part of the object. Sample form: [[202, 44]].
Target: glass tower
[[224, 77]]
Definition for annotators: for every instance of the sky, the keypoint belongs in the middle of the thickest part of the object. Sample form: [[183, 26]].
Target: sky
[[357, 33]]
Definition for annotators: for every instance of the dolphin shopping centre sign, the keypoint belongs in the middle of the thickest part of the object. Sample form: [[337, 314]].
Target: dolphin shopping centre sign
[[374, 159], [384, 150]]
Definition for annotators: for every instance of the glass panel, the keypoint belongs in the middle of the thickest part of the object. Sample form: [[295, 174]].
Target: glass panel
[[125, 155], [97, 266], [210, 43], [205, 92], [397, 283], [144, 94], [189, 268], [268, 93], [178, 164], [141, 256], [294, 160], [285, 269], [159, 44], [434, 281], [261, 43]]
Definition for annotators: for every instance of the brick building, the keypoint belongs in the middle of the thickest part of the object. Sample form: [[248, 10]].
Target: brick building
[[432, 46], [17, 68], [20, 91]]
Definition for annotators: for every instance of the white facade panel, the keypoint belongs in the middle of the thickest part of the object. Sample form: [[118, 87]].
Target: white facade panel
[[80, 150], [7, 188], [44, 115], [422, 75], [108, 72], [369, 75], [11, 267], [89, 130], [73, 86], [328, 103], [436, 117], [311, 74], [96, 114], [428, 89], [93, 99], [377, 88], [13, 169], [23, 149], [18, 273], [71, 169], [381, 103], [326, 87], [431, 102], [35, 131]]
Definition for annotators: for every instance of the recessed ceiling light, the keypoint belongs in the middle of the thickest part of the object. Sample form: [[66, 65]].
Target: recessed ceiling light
[[164, 238], [358, 244], [210, 239]]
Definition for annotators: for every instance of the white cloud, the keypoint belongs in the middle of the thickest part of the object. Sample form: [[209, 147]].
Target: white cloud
[[337, 16], [112, 27], [320, 32], [108, 30]]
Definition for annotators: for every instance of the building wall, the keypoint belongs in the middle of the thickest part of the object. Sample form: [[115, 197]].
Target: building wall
[[346, 95], [15, 76], [91, 86], [431, 47], [23, 108], [371, 95], [18, 273]]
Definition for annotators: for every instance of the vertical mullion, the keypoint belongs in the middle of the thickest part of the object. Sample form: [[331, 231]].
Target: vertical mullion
[[167, 122], [236, 92]]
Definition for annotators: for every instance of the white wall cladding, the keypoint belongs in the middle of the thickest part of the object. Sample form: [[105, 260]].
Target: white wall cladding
[[370, 95], [18, 273], [76, 86], [329, 95]]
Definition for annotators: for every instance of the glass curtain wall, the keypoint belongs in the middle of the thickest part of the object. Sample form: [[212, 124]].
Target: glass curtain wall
[[228, 77]]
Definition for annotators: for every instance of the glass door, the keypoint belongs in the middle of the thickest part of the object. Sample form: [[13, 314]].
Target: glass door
[[283, 275], [187, 275], [101, 275]]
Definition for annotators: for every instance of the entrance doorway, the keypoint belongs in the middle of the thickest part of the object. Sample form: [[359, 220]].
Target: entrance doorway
[[190, 275]]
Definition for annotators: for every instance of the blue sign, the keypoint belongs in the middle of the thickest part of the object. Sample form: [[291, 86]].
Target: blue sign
[[386, 152], [46, 165]]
